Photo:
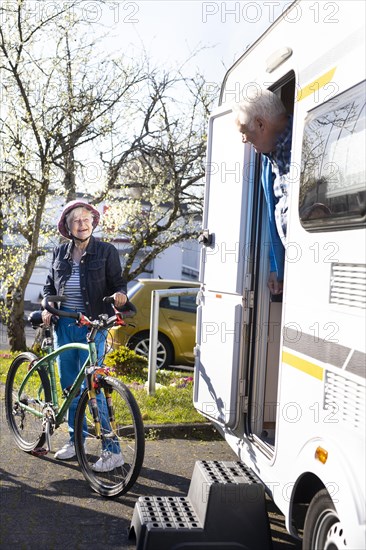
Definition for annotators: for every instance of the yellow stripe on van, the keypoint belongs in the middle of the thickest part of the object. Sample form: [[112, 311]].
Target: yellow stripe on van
[[315, 85], [303, 365]]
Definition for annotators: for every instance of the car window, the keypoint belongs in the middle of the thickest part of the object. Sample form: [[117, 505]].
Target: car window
[[188, 303], [180, 303]]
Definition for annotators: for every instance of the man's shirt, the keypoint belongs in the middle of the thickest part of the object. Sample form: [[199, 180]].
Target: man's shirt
[[275, 181], [282, 155]]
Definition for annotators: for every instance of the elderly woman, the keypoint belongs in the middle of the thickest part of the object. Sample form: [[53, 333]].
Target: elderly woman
[[84, 270]]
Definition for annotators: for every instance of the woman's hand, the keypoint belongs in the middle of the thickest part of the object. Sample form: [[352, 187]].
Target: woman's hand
[[119, 299], [46, 317]]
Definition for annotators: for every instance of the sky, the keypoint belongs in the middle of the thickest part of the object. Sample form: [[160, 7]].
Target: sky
[[170, 30]]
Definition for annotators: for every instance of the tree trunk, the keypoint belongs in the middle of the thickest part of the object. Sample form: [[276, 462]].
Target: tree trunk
[[16, 325]]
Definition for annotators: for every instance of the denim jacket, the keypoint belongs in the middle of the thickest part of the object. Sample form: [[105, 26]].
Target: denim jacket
[[100, 275]]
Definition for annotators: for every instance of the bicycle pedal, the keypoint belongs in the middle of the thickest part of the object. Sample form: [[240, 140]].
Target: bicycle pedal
[[39, 451]]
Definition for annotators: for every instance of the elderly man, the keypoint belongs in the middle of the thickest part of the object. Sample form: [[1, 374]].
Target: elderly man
[[262, 121]]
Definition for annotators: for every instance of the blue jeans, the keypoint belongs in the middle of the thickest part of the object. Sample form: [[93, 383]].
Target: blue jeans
[[69, 364]]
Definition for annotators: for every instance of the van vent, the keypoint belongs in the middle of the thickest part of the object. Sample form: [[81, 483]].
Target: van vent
[[346, 400], [348, 285]]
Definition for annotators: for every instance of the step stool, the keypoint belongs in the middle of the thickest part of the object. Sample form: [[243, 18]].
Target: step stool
[[225, 510]]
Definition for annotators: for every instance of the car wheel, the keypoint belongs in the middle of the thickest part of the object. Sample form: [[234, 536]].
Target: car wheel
[[164, 355]]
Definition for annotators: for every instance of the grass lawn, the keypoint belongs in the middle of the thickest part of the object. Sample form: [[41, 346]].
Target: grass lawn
[[171, 404]]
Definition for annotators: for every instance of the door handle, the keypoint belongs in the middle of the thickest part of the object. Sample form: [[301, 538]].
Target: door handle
[[206, 238]]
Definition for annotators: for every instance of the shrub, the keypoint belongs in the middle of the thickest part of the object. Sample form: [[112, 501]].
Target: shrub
[[126, 362]]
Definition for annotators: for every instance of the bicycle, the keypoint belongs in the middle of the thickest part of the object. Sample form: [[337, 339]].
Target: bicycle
[[107, 413]]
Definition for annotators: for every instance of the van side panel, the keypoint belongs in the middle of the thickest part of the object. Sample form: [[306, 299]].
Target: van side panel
[[320, 399]]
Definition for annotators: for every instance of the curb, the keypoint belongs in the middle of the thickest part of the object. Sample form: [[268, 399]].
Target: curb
[[198, 430]]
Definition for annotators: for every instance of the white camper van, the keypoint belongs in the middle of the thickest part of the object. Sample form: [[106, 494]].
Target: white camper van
[[284, 382]]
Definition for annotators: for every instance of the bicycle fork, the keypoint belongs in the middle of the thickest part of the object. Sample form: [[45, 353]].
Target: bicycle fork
[[108, 397], [94, 387]]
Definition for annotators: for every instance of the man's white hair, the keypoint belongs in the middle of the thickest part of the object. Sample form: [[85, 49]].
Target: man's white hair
[[258, 102]]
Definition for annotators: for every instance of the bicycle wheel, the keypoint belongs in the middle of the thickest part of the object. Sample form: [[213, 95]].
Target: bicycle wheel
[[124, 444], [26, 424]]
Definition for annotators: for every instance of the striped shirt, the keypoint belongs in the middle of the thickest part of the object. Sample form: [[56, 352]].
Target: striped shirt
[[74, 299]]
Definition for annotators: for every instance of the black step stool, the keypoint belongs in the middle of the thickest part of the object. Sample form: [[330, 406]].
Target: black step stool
[[225, 510]]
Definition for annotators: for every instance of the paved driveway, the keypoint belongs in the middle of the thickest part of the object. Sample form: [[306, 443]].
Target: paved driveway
[[47, 504]]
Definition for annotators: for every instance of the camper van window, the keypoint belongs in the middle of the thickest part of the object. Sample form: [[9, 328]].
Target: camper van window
[[332, 184]]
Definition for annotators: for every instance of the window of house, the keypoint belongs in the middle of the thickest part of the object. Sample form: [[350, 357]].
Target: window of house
[[332, 182]]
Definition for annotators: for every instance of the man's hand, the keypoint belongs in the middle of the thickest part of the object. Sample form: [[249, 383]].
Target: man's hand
[[273, 284]]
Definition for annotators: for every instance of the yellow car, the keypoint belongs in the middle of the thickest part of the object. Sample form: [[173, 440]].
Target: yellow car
[[177, 323]]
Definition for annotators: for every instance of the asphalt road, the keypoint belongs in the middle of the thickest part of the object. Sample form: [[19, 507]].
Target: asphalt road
[[47, 504]]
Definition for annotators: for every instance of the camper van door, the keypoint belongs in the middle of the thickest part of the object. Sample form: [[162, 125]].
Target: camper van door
[[223, 312]]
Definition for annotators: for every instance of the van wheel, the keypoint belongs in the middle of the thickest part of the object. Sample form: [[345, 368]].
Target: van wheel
[[323, 529], [164, 355]]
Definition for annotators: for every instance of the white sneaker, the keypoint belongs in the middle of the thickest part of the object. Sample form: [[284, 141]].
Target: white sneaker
[[67, 451], [108, 461]]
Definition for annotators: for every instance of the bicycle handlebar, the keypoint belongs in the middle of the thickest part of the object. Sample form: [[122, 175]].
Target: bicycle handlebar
[[35, 319], [128, 310], [46, 305]]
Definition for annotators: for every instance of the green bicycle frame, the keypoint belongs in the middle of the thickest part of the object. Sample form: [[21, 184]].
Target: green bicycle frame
[[48, 362]]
